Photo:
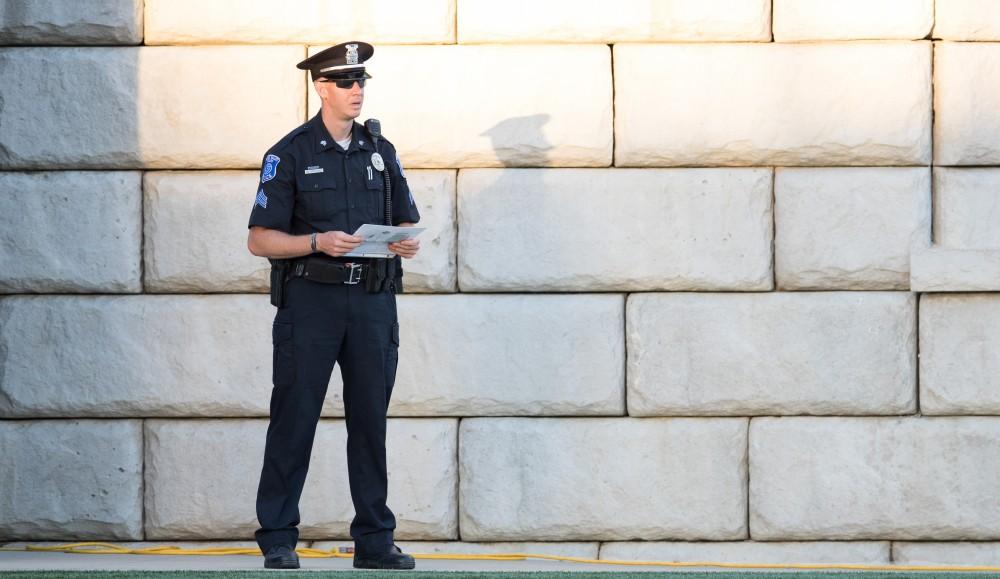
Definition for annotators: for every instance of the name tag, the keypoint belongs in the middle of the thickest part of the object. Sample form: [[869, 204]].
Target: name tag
[[313, 169]]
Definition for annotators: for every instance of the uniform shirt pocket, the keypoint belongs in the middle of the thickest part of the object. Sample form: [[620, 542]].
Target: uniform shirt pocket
[[320, 195], [376, 192]]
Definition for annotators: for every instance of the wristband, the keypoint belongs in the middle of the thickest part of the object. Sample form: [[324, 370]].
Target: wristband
[[312, 242]]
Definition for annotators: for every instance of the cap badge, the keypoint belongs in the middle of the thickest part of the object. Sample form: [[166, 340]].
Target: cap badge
[[352, 54]]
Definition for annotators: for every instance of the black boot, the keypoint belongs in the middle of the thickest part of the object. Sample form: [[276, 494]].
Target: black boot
[[394, 558], [281, 557]]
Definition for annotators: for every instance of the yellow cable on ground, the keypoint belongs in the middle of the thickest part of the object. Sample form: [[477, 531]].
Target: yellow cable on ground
[[95, 548]]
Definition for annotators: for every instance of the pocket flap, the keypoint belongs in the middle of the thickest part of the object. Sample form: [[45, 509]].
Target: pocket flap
[[281, 332], [376, 181], [316, 181]]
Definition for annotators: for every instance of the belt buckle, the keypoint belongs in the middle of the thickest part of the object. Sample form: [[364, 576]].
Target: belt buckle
[[351, 279]]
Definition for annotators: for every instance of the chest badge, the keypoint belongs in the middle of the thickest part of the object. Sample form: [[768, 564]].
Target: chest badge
[[377, 162]]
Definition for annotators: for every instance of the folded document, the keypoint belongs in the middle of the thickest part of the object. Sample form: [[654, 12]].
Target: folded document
[[378, 237]]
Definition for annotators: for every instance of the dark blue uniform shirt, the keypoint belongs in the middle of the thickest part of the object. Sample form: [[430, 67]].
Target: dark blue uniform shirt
[[309, 183]]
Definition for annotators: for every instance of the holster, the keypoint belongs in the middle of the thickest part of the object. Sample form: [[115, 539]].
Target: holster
[[279, 273], [385, 273], [375, 282], [397, 277]]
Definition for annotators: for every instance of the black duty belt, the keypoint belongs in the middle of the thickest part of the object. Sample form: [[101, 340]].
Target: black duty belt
[[326, 271]]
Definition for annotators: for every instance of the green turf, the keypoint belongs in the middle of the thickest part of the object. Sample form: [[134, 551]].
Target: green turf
[[271, 574]]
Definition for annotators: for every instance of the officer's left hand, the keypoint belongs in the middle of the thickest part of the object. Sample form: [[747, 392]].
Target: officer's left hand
[[406, 248]]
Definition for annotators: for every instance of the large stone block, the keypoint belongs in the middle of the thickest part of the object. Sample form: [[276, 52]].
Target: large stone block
[[184, 500], [88, 119], [196, 234], [492, 106], [772, 353], [851, 552], [949, 553], [773, 104], [602, 479], [211, 356], [78, 22], [874, 478], [135, 356], [967, 19], [217, 107], [177, 107], [967, 207], [610, 22], [940, 269], [614, 230], [960, 354], [309, 21], [796, 20], [849, 228], [71, 479], [966, 103], [434, 267], [70, 232], [552, 362]]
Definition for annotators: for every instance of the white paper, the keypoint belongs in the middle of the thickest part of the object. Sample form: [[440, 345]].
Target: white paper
[[378, 237]]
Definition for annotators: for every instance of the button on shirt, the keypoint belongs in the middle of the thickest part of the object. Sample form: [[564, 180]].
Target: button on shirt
[[310, 184]]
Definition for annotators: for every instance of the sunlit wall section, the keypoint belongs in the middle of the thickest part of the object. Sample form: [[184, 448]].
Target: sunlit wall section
[[702, 279]]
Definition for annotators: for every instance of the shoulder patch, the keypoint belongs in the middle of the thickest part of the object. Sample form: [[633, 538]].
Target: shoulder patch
[[270, 168]]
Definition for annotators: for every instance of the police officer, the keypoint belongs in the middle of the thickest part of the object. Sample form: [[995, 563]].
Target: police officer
[[319, 184]]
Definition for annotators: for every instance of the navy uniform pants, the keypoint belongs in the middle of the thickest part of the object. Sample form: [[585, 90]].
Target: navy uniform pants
[[322, 324]]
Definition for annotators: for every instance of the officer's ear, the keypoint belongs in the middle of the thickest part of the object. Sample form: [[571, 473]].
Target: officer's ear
[[321, 88]]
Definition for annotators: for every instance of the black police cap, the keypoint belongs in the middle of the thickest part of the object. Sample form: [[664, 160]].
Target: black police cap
[[346, 60]]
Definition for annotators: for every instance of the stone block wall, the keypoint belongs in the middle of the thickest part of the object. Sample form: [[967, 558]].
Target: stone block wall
[[702, 280]]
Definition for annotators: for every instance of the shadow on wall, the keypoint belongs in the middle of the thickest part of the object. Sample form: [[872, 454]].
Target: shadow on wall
[[520, 141], [66, 141], [506, 211], [59, 122]]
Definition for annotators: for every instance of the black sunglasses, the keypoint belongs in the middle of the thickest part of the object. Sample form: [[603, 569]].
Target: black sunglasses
[[346, 83]]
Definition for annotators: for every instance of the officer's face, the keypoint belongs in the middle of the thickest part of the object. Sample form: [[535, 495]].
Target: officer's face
[[344, 103]]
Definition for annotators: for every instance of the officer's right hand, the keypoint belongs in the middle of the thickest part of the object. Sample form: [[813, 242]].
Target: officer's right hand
[[337, 243]]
